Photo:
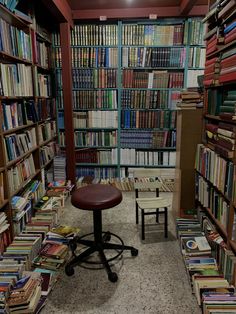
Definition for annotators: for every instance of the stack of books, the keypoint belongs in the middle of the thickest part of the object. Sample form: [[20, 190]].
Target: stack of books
[[62, 234], [210, 266], [190, 99], [59, 168], [51, 256], [228, 106]]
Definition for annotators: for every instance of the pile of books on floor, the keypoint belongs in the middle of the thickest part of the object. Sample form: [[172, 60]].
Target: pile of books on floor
[[125, 184], [29, 263], [210, 265], [190, 99]]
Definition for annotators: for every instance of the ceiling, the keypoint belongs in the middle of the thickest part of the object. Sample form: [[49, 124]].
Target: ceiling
[[120, 4]]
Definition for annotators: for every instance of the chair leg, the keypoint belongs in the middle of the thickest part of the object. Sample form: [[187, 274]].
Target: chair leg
[[136, 213], [104, 261], [157, 215], [143, 225], [166, 222]]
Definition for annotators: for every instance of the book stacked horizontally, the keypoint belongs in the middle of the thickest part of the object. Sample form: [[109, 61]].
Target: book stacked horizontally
[[62, 234], [221, 138], [190, 100], [25, 295], [51, 256], [228, 106], [11, 271]]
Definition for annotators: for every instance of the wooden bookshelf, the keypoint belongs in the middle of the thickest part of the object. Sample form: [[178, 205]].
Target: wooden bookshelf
[[121, 41]]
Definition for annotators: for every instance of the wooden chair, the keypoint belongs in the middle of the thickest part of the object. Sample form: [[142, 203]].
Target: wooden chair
[[150, 180]]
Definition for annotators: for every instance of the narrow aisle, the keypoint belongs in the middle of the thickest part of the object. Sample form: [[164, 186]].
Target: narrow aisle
[[154, 282]]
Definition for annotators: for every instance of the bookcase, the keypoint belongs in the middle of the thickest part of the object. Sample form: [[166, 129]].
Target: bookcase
[[127, 77], [215, 159], [27, 107]]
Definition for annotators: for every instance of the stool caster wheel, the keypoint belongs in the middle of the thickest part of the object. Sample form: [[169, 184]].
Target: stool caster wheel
[[113, 277], [69, 270], [107, 237], [134, 252]]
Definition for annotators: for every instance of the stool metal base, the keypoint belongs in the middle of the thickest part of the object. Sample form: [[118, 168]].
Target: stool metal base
[[99, 244]]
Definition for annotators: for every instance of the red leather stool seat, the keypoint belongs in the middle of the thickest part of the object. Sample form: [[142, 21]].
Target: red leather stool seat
[[96, 196]]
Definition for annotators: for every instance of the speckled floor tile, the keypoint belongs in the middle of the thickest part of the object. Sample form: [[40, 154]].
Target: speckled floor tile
[[154, 282]]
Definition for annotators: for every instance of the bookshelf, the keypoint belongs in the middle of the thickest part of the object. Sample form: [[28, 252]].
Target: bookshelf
[[127, 77], [27, 107], [215, 158]]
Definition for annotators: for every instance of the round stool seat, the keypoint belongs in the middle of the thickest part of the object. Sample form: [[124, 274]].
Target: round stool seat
[[96, 196]]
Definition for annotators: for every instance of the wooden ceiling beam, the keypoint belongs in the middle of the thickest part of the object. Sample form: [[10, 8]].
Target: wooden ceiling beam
[[61, 10], [186, 6]]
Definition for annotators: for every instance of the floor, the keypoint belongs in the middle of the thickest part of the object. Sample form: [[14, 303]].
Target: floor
[[154, 282]]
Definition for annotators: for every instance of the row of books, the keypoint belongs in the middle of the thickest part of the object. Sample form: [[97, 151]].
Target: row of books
[[16, 80], [94, 34], [152, 79], [221, 139], [96, 172], [130, 156], [18, 174], [94, 78], [93, 57], [95, 119], [123, 183], [197, 56], [42, 55], [16, 145], [96, 138], [152, 35], [153, 57], [148, 119], [209, 265], [47, 153], [148, 99], [10, 4], [93, 99], [44, 85], [194, 32], [15, 41], [215, 169], [208, 196], [95, 156], [46, 131], [147, 139]]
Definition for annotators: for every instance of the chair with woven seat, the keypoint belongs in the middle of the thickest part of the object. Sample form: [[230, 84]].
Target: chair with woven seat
[[150, 180]]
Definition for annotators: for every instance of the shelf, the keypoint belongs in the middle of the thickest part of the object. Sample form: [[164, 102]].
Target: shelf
[[95, 165], [23, 127], [147, 109], [43, 38], [147, 166], [221, 49], [94, 109], [47, 141], [148, 129], [233, 245], [154, 46], [151, 148], [16, 97], [42, 68], [93, 129], [217, 118], [217, 223], [95, 147], [160, 88], [9, 57], [11, 18], [96, 46], [47, 164], [12, 162], [195, 68], [94, 88], [4, 203], [25, 182], [95, 68], [217, 190], [2, 169], [155, 68]]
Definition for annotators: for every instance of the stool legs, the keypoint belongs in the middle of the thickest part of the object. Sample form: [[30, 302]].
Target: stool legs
[[99, 244], [143, 224]]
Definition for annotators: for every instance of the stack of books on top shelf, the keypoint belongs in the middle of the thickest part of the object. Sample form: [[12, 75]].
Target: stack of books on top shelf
[[190, 99], [220, 138], [210, 266]]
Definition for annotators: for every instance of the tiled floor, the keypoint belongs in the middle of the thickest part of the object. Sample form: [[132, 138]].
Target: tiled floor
[[154, 282]]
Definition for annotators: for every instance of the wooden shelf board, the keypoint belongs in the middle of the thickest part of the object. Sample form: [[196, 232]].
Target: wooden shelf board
[[217, 118], [9, 57], [4, 203], [12, 162], [47, 141], [217, 223], [47, 164], [11, 18], [18, 128]]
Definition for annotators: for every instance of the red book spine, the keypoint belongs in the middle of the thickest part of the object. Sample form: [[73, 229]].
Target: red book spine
[[230, 38], [227, 77]]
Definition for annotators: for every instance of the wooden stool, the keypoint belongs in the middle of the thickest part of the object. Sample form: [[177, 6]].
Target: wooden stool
[[95, 198]]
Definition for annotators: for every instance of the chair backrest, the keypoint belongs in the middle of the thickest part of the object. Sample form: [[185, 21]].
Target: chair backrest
[[146, 179]]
